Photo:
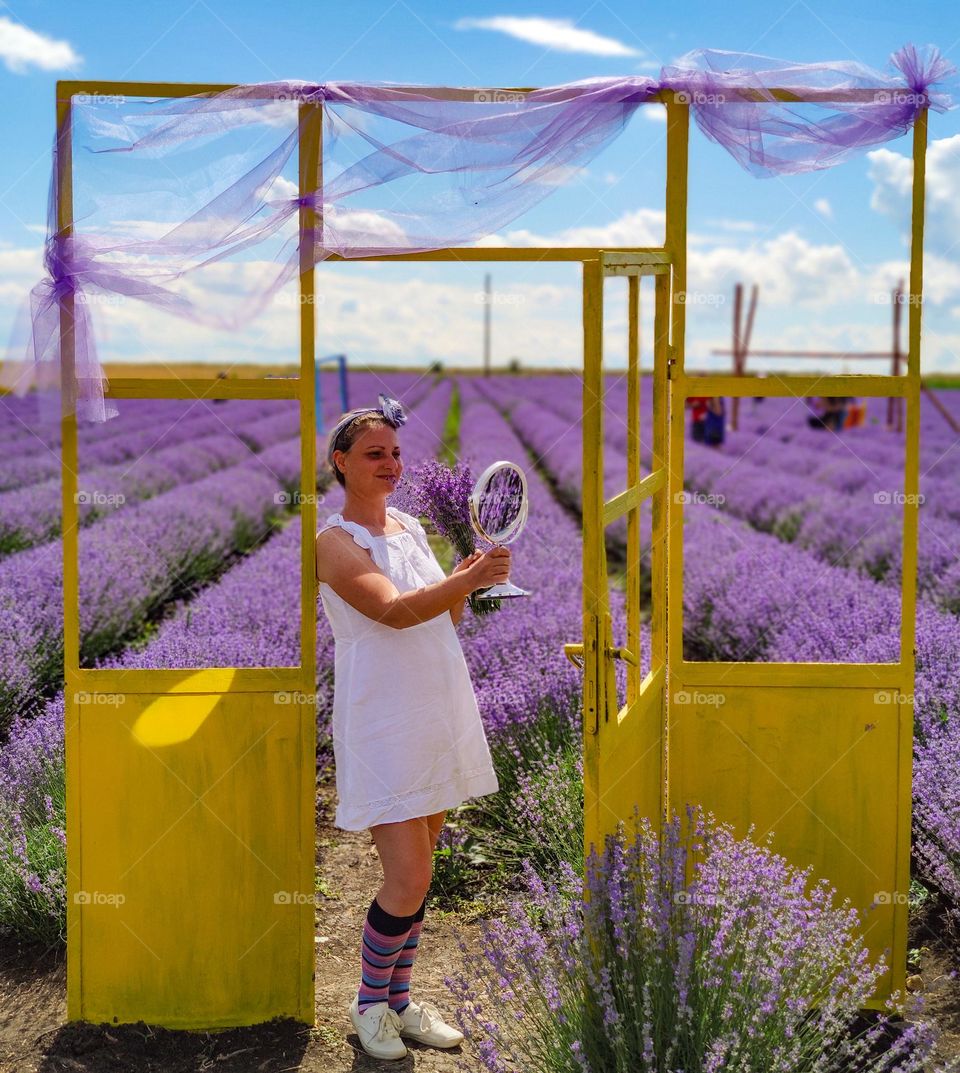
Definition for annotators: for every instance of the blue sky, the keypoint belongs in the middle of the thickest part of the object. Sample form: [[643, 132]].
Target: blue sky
[[823, 246]]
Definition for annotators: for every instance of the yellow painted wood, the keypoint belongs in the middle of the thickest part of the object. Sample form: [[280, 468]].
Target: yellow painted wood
[[193, 894], [502, 253], [623, 745], [67, 87], [191, 792], [776, 385], [223, 743], [819, 753], [310, 178], [816, 766], [633, 481], [629, 500], [190, 680], [821, 675], [177, 388], [71, 583]]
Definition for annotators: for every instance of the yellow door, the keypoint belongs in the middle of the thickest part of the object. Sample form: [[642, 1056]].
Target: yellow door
[[623, 743], [819, 753], [191, 793]]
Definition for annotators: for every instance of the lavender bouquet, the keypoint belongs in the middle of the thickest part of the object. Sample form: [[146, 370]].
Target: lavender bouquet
[[442, 495]]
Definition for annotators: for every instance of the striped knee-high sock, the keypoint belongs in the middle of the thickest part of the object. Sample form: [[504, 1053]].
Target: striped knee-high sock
[[400, 980], [383, 937]]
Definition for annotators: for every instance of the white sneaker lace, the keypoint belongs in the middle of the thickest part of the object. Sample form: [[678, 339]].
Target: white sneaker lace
[[390, 1025], [428, 1015]]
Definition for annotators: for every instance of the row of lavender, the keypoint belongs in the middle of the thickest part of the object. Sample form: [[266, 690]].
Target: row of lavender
[[515, 656], [749, 596], [30, 429], [839, 497], [250, 617], [135, 561]]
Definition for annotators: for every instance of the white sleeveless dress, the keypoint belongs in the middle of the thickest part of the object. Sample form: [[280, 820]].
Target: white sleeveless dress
[[408, 740]]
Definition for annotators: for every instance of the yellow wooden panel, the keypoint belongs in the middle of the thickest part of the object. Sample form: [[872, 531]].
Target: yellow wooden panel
[[273, 387], [793, 385], [824, 769], [631, 761], [196, 871]]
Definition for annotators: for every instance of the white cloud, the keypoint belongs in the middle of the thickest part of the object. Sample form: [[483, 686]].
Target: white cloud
[[22, 48], [892, 175], [644, 227], [823, 206], [559, 34], [790, 271]]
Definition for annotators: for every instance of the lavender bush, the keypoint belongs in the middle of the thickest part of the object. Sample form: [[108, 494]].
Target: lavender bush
[[743, 968], [442, 495]]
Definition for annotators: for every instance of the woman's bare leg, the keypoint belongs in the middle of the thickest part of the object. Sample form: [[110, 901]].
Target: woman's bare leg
[[406, 853]]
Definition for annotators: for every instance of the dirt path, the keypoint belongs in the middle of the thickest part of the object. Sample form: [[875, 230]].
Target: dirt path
[[34, 1036]]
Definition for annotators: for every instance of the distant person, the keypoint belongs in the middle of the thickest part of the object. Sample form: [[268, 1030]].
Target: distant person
[[856, 414], [832, 415], [714, 422], [697, 404], [221, 376]]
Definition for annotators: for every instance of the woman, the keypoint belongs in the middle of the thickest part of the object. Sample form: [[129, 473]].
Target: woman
[[407, 736]]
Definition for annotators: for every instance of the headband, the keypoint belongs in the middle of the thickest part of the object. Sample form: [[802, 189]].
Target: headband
[[389, 408]]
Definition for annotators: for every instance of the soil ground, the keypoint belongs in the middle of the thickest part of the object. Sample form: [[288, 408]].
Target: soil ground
[[35, 1038]]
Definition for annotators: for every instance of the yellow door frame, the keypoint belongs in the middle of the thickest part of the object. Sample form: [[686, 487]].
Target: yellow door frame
[[846, 726], [182, 997]]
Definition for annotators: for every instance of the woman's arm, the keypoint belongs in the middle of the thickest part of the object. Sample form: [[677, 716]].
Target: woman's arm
[[350, 571]]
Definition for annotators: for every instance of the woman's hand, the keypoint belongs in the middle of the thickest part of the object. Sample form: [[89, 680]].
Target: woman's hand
[[489, 567], [466, 563]]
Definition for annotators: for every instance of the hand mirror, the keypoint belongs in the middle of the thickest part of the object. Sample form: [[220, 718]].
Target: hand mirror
[[498, 512]]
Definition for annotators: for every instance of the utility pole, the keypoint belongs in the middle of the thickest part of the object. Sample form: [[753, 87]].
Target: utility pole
[[487, 303]]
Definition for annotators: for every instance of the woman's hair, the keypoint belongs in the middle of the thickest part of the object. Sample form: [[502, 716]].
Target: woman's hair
[[349, 436]]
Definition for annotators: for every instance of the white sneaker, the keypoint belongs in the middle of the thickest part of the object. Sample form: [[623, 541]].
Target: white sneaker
[[422, 1022], [378, 1028]]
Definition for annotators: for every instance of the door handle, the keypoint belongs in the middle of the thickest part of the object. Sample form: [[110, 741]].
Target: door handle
[[574, 653], [622, 653]]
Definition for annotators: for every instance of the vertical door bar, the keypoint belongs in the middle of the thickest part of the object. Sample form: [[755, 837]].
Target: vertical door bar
[[71, 556], [908, 600], [675, 241], [594, 677], [633, 476], [310, 150]]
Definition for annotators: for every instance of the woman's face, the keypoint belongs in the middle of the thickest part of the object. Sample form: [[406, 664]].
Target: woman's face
[[372, 466]]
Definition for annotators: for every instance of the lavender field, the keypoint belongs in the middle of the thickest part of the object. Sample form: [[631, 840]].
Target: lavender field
[[189, 556]]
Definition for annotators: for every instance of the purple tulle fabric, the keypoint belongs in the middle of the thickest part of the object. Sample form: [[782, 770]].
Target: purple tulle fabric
[[193, 205]]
